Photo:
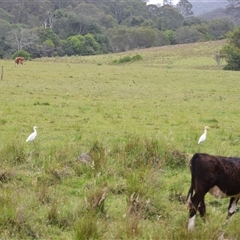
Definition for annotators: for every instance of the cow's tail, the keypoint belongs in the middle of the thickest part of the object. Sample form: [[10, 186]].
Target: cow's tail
[[192, 187]]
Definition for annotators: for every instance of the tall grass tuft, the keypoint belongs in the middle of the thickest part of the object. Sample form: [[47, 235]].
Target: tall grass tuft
[[95, 201], [13, 152], [176, 159], [98, 155], [53, 213], [86, 227], [14, 220], [141, 152]]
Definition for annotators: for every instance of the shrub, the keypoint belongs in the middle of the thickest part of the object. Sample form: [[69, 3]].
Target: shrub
[[21, 53], [232, 55], [124, 59], [232, 51], [128, 59], [136, 57]]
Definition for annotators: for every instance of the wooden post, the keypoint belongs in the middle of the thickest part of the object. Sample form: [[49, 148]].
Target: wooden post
[[2, 74]]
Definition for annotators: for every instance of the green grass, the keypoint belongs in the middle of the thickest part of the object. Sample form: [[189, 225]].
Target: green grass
[[140, 122]]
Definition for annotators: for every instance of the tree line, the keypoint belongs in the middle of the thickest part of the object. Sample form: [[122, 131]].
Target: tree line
[[40, 28]]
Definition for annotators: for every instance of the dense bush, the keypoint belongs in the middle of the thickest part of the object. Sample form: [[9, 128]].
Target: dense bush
[[21, 53], [231, 51], [82, 45]]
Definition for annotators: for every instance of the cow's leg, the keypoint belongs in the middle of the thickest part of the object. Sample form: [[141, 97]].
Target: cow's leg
[[202, 208], [232, 206], [197, 198]]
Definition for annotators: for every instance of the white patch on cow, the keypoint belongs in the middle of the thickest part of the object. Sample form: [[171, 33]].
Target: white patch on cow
[[233, 207], [189, 199], [191, 223]]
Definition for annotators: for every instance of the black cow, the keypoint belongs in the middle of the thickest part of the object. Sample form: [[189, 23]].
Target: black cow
[[220, 176]]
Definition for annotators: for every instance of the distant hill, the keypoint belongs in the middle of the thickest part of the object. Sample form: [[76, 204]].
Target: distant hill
[[217, 13], [207, 6]]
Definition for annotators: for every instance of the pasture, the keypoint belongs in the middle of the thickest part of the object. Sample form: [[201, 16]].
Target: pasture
[[139, 121]]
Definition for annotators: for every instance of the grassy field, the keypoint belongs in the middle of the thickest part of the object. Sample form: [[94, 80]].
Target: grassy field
[[139, 121]]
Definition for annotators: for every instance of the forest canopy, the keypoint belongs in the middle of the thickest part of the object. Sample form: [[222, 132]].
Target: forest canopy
[[86, 27]]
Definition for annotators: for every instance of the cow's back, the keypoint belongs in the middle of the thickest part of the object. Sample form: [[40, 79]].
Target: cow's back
[[210, 171]]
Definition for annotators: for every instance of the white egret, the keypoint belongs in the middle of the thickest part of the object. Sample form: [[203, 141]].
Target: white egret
[[33, 135], [204, 135]]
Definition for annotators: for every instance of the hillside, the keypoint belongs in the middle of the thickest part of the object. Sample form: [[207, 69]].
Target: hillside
[[218, 13]]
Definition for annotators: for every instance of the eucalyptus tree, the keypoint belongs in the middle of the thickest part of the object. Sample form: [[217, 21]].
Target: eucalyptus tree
[[85, 18], [118, 39], [171, 18], [27, 12], [48, 43], [123, 9], [21, 38], [106, 20], [5, 28], [185, 8], [188, 35], [218, 28], [123, 38], [81, 20], [6, 16], [153, 10]]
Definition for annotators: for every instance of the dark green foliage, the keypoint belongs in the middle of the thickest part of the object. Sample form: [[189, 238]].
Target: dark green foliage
[[232, 51], [170, 34], [43, 103], [60, 20], [123, 38], [171, 18], [82, 45], [128, 59], [232, 58], [47, 34], [219, 28], [21, 53], [188, 35], [123, 60]]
